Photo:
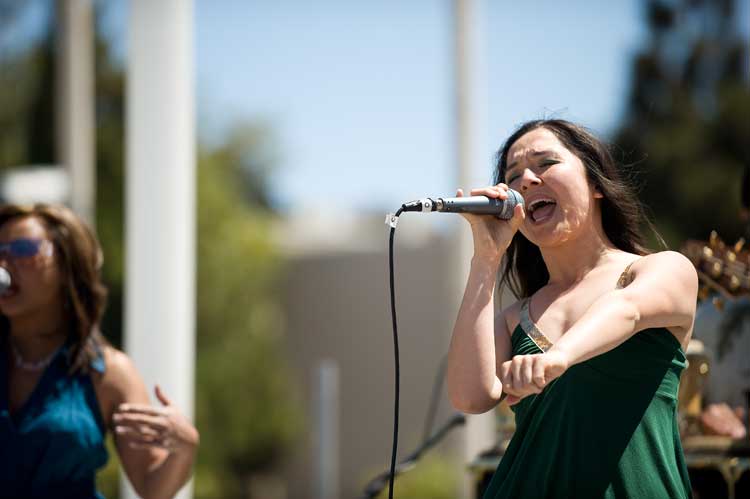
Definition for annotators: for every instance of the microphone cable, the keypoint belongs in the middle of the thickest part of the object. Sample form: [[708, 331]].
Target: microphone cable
[[392, 220], [500, 208]]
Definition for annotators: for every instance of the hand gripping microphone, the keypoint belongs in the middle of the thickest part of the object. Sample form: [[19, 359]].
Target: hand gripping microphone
[[480, 205]]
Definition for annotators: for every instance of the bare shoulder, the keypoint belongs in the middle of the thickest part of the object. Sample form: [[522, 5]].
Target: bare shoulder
[[668, 264], [121, 381], [120, 369]]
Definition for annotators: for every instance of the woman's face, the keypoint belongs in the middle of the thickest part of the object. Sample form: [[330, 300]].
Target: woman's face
[[559, 201], [28, 254]]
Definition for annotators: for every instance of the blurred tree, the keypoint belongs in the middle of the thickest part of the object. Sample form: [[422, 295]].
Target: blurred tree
[[245, 408], [688, 121], [27, 97]]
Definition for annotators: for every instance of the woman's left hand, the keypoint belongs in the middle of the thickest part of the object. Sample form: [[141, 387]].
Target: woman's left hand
[[526, 375], [145, 427]]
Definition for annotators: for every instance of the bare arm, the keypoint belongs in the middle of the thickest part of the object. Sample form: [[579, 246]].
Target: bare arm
[[479, 343], [156, 445], [662, 294]]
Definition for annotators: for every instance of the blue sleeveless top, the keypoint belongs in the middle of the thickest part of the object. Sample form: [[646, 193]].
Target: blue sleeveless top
[[53, 444]]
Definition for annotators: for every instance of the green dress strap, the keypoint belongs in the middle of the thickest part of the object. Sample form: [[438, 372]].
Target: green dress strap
[[530, 328]]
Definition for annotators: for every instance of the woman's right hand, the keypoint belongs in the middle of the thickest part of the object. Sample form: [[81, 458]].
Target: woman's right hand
[[492, 235]]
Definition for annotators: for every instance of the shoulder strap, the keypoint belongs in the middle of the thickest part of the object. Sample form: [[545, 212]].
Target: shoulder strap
[[530, 328], [626, 277]]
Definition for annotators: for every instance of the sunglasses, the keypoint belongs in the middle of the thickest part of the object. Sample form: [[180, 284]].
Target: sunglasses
[[22, 248]]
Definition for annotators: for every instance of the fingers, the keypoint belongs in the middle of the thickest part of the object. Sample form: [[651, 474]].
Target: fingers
[[144, 431], [522, 376], [141, 409], [523, 382], [519, 215], [515, 369], [140, 433], [143, 436], [499, 191], [537, 376], [527, 365], [143, 426], [158, 423], [161, 396], [142, 440]]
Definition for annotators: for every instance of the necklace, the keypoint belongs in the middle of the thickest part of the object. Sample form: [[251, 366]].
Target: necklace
[[29, 365]]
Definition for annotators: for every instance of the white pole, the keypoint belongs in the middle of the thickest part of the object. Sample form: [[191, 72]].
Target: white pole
[[75, 137], [326, 459], [160, 216], [480, 429]]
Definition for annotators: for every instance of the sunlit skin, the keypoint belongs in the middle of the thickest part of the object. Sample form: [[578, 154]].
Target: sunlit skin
[[156, 445], [578, 310], [540, 166]]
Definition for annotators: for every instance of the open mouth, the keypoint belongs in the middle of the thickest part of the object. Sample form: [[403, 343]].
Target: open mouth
[[541, 209]]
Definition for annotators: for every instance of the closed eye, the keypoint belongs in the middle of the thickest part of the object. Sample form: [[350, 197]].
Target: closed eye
[[545, 163]]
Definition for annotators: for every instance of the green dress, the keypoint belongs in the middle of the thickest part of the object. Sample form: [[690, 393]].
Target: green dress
[[606, 428]]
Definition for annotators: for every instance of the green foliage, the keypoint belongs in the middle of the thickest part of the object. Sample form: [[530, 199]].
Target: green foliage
[[687, 128], [26, 105], [110, 183], [108, 478], [245, 408]]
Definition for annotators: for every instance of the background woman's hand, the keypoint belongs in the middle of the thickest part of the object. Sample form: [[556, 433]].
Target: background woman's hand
[[526, 375], [492, 236], [144, 426]]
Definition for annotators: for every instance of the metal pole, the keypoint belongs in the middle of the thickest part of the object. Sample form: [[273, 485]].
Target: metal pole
[[480, 429], [160, 197], [75, 136]]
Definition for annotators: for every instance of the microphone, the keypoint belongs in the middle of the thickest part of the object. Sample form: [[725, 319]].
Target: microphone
[[4, 280], [480, 205]]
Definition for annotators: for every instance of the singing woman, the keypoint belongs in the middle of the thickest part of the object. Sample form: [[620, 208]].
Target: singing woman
[[590, 354]]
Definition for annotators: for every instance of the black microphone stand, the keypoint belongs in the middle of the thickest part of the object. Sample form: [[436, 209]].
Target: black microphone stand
[[377, 484]]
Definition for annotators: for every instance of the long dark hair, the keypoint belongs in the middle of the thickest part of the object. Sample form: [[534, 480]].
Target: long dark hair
[[623, 217], [79, 257]]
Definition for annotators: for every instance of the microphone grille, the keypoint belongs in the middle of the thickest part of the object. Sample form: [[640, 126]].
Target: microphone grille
[[515, 198], [4, 280]]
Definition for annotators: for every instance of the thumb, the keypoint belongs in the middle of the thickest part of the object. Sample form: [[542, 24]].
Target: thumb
[[160, 395], [512, 400], [519, 215]]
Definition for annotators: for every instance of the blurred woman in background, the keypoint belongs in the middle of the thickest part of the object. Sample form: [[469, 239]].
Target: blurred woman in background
[[61, 384]]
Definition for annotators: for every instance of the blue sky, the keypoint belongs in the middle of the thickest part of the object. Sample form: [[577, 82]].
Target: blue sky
[[359, 94]]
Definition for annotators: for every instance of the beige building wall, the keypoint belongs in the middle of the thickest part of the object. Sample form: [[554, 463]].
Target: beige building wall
[[337, 307]]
